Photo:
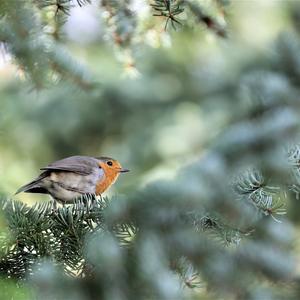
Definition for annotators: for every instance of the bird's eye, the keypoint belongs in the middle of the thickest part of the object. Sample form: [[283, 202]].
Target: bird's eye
[[110, 163]]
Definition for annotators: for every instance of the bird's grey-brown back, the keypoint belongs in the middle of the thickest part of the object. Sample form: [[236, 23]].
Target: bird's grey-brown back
[[68, 178], [83, 165]]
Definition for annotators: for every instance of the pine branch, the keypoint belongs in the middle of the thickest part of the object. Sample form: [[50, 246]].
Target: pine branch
[[120, 20], [252, 187], [37, 54], [211, 22], [294, 161], [41, 231], [189, 275], [172, 9], [125, 233], [63, 6], [168, 9]]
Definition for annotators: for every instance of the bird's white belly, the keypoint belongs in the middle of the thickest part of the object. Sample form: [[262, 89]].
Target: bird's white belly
[[65, 186]]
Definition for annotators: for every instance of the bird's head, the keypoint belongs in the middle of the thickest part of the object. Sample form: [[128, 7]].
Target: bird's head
[[112, 169], [111, 166]]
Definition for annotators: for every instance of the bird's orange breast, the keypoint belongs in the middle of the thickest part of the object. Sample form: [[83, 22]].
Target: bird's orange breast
[[110, 176]]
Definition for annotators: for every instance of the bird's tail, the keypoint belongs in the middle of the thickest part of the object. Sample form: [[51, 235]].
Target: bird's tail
[[34, 186]]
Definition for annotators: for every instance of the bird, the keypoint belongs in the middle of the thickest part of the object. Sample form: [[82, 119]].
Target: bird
[[74, 176]]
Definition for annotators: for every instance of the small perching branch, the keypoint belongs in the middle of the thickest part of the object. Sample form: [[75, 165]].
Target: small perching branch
[[42, 231]]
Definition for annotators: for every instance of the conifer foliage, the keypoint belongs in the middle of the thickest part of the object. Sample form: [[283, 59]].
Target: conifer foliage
[[222, 228]]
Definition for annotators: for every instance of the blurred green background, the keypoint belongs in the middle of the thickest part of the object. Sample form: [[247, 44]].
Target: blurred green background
[[184, 104], [154, 117]]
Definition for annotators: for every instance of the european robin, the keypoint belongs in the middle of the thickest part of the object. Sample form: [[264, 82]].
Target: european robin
[[71, 177]]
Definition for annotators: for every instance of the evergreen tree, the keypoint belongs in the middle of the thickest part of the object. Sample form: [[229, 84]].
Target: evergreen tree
[[224, 226]]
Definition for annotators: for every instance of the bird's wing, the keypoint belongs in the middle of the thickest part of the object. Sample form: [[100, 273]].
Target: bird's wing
[[82, 165], [34, 186]]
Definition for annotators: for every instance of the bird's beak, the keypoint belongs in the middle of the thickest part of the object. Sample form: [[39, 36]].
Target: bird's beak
[[124, 170]]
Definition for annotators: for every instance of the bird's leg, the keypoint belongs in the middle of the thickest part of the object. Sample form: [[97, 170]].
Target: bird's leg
[[54, 205], [93, 197], [94, 200]]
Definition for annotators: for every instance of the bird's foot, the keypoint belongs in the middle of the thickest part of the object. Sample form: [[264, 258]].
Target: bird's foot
[[54, 206]]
